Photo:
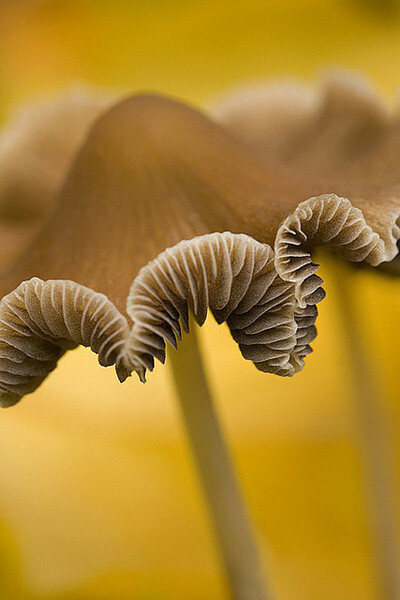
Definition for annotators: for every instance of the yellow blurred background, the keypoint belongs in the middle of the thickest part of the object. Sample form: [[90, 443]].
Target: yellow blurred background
[[99, 499]]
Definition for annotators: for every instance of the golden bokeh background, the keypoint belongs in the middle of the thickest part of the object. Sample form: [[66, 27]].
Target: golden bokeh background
[[99, 499]]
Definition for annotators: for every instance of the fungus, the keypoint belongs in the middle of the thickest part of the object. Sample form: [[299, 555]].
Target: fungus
[[151, 173], [165, 213]]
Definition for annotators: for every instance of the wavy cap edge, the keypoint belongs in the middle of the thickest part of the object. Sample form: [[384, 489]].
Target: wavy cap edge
[[231, 275]]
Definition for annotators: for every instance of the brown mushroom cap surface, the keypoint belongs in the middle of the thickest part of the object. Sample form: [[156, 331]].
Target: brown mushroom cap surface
[[37, 147], [152, 172]]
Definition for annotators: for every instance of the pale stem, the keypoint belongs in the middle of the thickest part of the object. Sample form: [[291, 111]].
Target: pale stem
[[229, 515], [376, 445]]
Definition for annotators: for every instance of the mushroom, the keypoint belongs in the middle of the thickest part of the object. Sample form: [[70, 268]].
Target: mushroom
[[166, 213], [151, 173], [341, 133]]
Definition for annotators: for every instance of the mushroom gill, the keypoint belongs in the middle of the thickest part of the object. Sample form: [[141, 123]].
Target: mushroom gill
[[232, 275], [40, 320], [326, 220]]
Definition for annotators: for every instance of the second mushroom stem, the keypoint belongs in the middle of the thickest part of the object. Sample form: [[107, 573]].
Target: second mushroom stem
[[229, 515], [376, 447]]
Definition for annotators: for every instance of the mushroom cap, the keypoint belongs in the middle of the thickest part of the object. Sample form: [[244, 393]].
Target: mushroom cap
[[233, 275], [151, 173]]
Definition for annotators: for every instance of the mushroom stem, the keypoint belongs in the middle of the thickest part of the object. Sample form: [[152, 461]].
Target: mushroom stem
[[375, 444], [229, 515]]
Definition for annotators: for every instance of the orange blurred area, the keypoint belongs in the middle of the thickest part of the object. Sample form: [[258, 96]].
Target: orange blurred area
[[99, 499]]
